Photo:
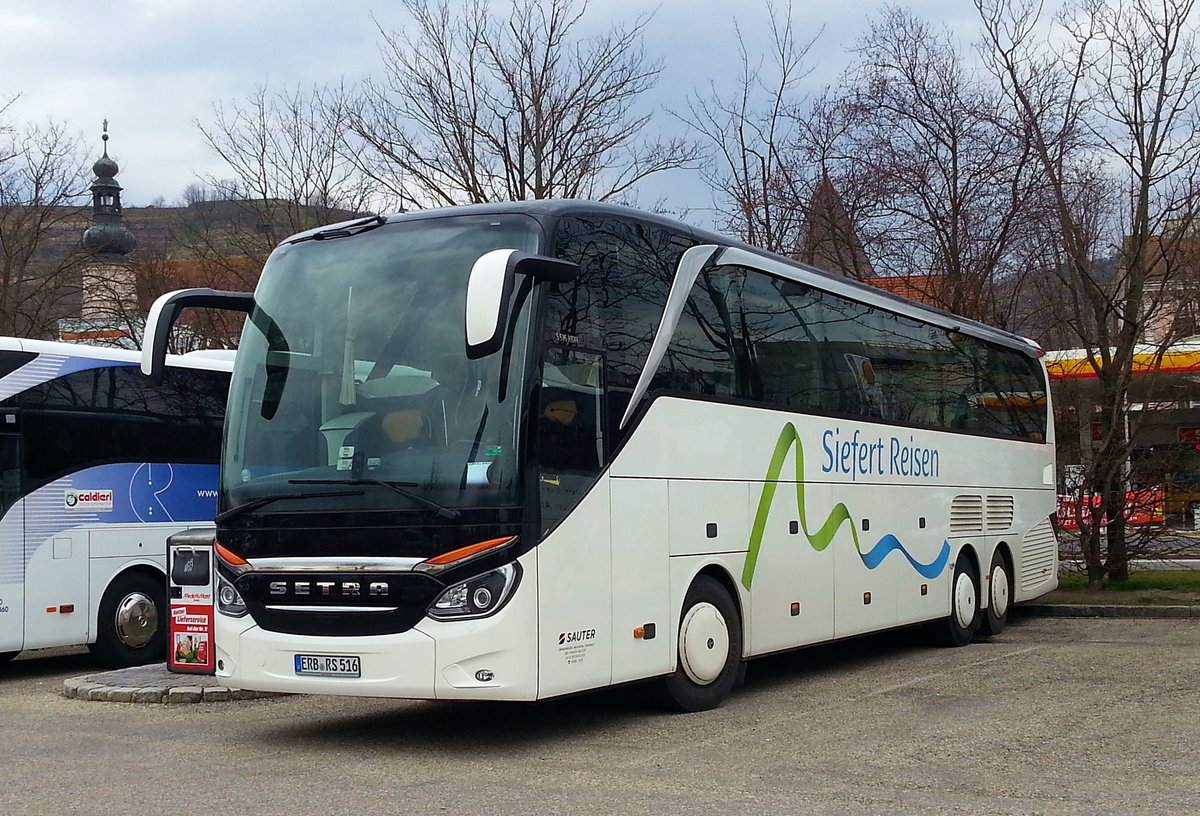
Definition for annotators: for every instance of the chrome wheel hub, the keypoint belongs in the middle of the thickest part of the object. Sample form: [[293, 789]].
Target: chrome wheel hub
[[136, 620]]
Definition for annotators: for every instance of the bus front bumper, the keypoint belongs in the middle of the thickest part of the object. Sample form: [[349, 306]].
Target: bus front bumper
[[489, 659]]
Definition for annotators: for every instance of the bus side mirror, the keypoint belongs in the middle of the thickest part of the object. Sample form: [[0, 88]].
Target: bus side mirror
[[165, 312], [489, 289]]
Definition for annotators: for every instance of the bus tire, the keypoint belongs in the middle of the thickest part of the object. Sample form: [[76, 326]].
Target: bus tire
[[710, 649], [999, 596], [958, 628], [132, 623], [7, 656]]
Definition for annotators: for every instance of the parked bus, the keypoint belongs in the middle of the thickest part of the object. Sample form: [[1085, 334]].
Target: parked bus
[[98, 465], [516, 451]]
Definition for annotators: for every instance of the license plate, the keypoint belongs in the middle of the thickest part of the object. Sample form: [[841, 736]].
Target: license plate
[[328, 665]]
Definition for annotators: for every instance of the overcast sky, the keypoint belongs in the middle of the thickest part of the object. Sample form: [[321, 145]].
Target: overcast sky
[[153, 66]]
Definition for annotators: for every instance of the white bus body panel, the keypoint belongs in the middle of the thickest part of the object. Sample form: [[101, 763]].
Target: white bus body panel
[[682, 441], [57, 574], [575, 609], [641, 583]]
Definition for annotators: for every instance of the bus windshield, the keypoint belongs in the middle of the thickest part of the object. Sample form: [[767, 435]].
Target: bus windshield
[[352, 368]]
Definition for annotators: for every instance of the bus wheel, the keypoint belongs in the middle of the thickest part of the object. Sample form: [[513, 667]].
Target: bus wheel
[[7, 656], [132, 625], [710, 649], [999, 597], [957, 628]]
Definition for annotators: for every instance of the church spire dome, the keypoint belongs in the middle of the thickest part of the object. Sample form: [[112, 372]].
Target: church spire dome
[[108, 234]]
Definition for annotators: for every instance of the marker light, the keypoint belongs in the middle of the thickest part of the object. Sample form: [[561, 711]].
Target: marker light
[[229, 557], [465, 553]]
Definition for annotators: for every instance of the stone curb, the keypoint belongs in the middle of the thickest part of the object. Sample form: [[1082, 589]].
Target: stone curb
[[87, 688], [1105, 611]]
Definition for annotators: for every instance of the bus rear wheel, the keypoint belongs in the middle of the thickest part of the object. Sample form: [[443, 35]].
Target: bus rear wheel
[[999, 597], [958, 628], [710, 649], [132, 624]]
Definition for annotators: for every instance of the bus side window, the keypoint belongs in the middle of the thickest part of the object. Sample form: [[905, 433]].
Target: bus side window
[[570, 433], [626, 269], [569, 446]]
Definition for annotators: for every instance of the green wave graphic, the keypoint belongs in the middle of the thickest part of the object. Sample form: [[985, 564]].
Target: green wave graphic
[[838, 516]]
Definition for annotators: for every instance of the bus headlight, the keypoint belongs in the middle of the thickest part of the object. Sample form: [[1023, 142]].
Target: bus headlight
[[476, 597], [229, 600]]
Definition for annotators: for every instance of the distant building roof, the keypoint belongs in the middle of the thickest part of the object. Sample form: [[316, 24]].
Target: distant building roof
[[927, 289]]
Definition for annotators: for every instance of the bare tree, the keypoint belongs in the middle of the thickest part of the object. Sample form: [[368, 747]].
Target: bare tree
[[290, 170], [759, 180], [1109, 107], [42, 179], [951, 184], [474, 106], [289, 163]]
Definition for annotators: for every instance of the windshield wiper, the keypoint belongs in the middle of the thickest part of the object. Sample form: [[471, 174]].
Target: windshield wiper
[[342, 230], [398, 487], [260, 501]]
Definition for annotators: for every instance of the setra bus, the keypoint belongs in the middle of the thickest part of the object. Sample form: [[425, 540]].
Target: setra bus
[[98, 465], [516, 451]]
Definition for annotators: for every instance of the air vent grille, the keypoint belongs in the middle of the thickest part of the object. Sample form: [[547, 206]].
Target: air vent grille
[[1039, 549], [966, 514], [999, 513]]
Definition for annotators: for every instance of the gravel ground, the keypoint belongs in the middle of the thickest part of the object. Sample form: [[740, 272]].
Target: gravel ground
[[1052, 717]]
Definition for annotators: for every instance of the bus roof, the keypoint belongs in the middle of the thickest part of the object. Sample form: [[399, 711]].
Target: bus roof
[[546, 209], [212, 360]]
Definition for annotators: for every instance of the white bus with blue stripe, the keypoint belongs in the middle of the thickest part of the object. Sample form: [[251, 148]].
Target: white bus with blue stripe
[[98, 465]]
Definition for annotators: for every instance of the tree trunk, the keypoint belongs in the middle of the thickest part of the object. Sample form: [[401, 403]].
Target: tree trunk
[[1089, 543], [1117, 565]]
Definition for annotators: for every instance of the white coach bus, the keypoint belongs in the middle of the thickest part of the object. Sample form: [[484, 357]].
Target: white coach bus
[[522, 450], [98, 465]]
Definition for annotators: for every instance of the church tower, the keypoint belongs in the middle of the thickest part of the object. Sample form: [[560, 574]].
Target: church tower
[[109, 290]]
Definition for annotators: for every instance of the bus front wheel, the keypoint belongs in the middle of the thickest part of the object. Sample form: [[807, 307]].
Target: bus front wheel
[[710, 649], [958, 628], [132, 624]]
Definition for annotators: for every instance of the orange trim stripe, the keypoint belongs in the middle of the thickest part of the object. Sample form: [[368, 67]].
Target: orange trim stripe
[[1172, 362], [469, 550], [228, 557]]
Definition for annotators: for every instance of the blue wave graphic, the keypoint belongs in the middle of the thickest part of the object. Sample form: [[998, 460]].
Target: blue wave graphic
[[889, 543]]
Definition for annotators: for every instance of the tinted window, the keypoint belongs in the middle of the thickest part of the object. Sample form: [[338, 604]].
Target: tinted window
[[709, 352], [114, 414], [614, 306], [750, 336], [10, 361]]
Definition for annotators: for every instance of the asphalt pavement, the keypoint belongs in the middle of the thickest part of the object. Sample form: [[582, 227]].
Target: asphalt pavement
[[1055, 716], [156, 684]]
